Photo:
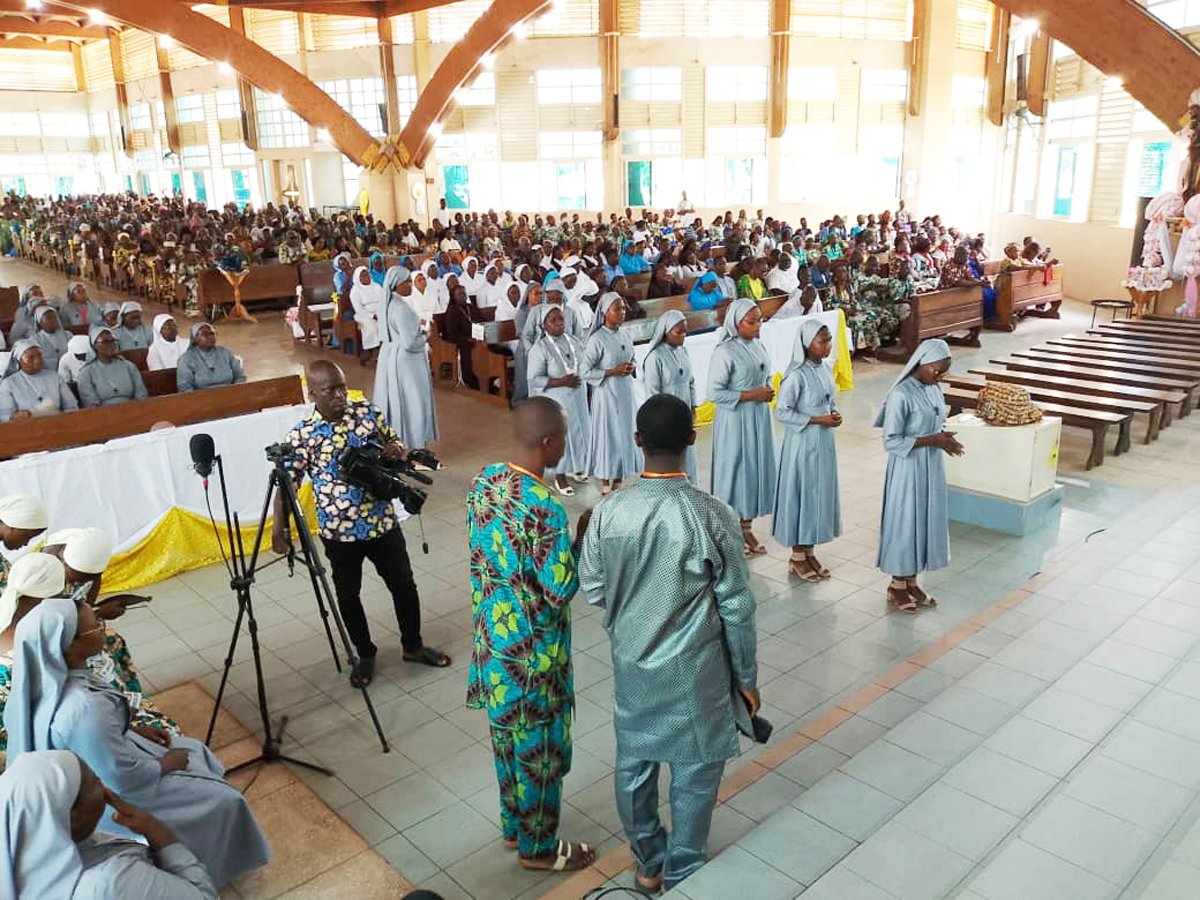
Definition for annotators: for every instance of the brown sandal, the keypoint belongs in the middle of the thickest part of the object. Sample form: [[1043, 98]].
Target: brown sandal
[[901, 600], [651, 883], [816, 566], [753, 546], [922, 599], [510, 843], [568, 857], [803, 569]]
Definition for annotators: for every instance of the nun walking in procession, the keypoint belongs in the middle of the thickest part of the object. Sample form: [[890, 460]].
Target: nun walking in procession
[[667, 369], [403, 387], [743, 444], [807, 505], [554, 363], [608, 366], [56, 704], [914, 529]]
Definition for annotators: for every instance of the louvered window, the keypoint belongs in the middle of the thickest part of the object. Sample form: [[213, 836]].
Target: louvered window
[[653, 83], [736, 82], [138, 55], [1067, 119], [275, 31], [689, 18], [229, 105], [885, 85], [363, 98], [738, 140], [974, 24], [1144, 121], [812, 83], [402, 29], [878, 20], [968, 91], [343, 32], [407, 94], [570, 144], [569, 18], [470, 145], [278, 126], [97, 66], [651, 142], [447, 24], [571, 86], [480, 92], [189, 108], [141, 118]]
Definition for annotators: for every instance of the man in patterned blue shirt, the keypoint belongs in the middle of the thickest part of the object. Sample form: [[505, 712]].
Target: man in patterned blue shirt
[[354, 526]]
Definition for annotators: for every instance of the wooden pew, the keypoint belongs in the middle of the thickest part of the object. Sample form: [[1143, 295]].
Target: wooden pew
[[268, 282], [1155, 329], [1152, 410], [639, 286], [1171, 399], [1018, 290], [160, 382], [1152, 340], [441, 352], [1174, 320], [137, 357], [489, 364], [656, 307], [1103, 356], [1112, 344], [941, 313], [1137, 365], [1109, 375], [1096, 421], [10, 302], [92, 426]]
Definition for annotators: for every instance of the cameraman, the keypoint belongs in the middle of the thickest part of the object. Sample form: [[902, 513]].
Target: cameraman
[[353, 525]]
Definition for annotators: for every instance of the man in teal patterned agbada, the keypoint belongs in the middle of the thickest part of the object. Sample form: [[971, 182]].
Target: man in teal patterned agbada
[[522, 581]]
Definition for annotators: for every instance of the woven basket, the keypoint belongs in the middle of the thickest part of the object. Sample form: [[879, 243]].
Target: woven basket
[[1006, 404]]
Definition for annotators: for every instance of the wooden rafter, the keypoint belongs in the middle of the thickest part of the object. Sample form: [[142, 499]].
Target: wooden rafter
[[20, 42], [373, 9]]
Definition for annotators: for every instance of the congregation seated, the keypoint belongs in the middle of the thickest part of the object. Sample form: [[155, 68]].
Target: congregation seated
[[51, 803], [79, 348], [662, 281], [109, 378], [30, 389], [132, 333], [166, 348], [205, 364], [23, 322], [80, 309]]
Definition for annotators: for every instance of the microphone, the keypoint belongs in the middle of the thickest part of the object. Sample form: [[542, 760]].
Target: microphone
[[202, 450]]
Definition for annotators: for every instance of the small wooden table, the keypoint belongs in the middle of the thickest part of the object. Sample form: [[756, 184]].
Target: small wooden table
[[1113, 305]]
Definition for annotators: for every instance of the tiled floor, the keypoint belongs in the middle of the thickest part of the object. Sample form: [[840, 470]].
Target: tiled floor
[[1026, 739]]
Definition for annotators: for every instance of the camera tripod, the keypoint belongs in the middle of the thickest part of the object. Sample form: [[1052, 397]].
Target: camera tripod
[[242, 577]]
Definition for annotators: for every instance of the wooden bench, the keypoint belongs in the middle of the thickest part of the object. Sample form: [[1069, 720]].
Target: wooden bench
[[1115, 344], [1109, 375], [268, 282], [1172, 400], [661, 305], [1172, 320], [1191, 326], [1151, 340], [638, 286], [1153, 411], [1096, 421], [92, 426], [489, 364], [1104, 354], [1126, 364], [1019, 290], [1155, 329], [942, 313]]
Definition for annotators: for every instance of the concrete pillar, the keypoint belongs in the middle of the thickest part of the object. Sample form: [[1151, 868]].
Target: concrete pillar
[[927, 145]]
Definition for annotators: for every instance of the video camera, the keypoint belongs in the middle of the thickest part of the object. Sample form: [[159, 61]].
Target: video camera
[[365, 467]]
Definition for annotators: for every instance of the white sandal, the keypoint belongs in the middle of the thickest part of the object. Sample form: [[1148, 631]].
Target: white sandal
[[567, 491], [578, 477]]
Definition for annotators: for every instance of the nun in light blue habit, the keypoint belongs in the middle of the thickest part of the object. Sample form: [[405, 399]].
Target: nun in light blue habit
[[205, 364], [743, 444], [108, 378], [56, 704], [557, 356], [914, 529], [132, 333], [38, 391], [613, 456], [403, 387], [667, 369], [807, 505], [50, 336], [45, 799]]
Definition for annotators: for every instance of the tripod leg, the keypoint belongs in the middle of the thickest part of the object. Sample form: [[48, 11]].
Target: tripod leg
[[237, 630]]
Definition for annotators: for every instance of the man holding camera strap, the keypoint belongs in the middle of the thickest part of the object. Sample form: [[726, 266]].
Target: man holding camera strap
[[354, 526]]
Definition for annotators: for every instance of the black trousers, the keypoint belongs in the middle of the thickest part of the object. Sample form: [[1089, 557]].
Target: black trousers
[[390, 557]]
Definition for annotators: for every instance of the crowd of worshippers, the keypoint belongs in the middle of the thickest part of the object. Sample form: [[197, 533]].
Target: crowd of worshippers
[[101, 795], [70, 353]]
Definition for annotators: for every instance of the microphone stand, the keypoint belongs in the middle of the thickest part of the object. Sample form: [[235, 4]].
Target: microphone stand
[[242, 577]]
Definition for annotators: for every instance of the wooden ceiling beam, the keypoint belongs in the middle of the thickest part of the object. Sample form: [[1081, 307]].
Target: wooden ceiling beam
[[21, 42], [12, 24], [373, 9]]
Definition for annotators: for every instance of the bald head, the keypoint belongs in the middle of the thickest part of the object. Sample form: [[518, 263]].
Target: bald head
[[537, 419], [327, 389]]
